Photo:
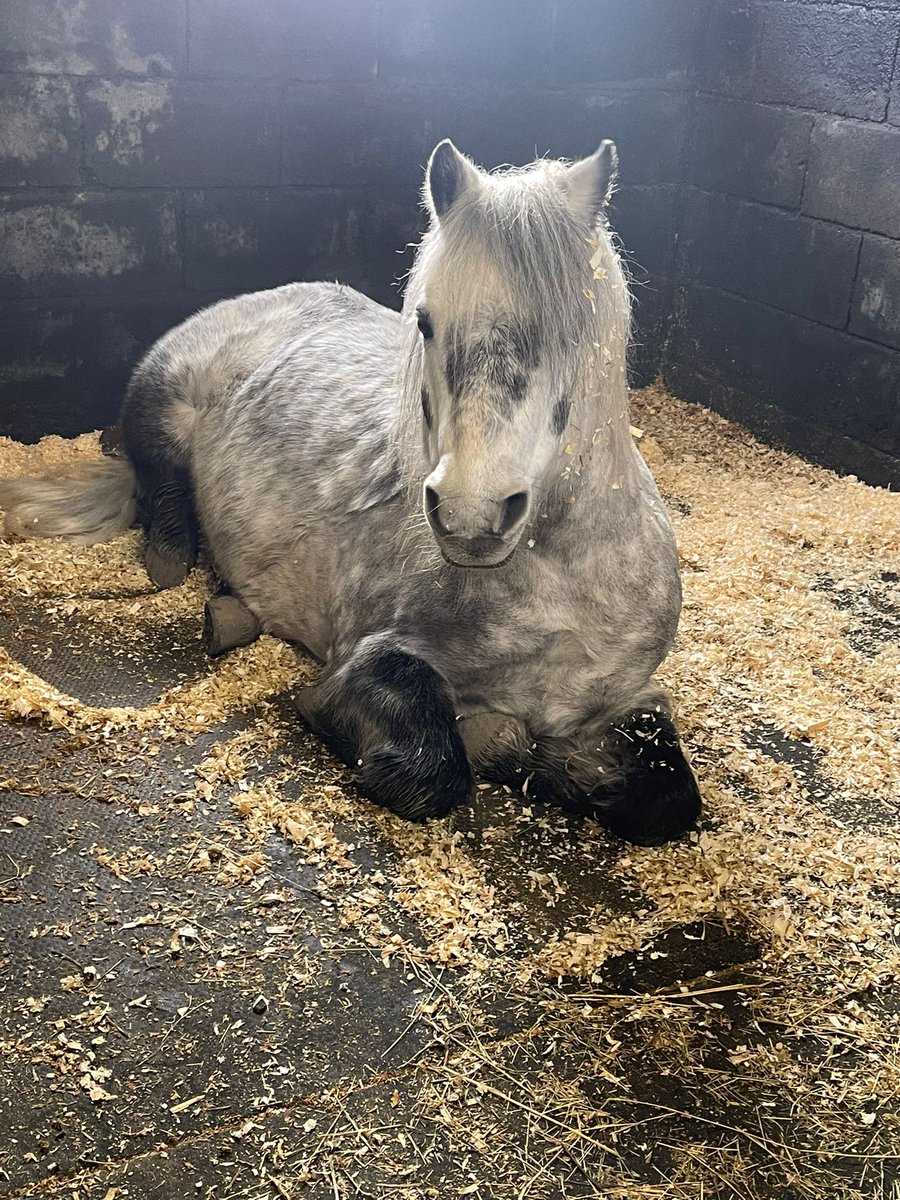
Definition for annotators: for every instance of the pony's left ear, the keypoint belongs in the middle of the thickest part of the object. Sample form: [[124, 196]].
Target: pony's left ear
[[589, 183], [449, 175]]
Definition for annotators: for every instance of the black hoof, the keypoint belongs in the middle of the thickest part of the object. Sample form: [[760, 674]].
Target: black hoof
[[655, 806], [227, 624], [166, 569], [650, 795], [657, 799], [416, 788]]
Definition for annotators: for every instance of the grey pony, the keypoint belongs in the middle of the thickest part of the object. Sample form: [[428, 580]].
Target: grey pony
[[444, 506]]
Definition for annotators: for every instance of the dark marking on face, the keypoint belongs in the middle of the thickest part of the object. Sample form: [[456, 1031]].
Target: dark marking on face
[[500, 362], [525, 343], [457, 368], [518, 386], [426, 407], [561, 410]]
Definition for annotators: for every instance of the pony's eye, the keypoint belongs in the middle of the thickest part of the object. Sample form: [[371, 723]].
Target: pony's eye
[[424, 323]]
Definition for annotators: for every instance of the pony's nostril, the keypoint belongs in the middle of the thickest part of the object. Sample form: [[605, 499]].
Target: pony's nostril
[[432, 511], [513, 513]]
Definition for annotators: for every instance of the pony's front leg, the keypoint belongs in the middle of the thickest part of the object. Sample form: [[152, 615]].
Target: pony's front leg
[[390, 715], [630, 774]]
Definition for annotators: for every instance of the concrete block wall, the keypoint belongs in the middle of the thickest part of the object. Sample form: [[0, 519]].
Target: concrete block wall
[[158, 154], [787, 312]]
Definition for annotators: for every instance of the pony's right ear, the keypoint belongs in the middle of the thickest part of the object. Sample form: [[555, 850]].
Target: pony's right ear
[[449, 175]]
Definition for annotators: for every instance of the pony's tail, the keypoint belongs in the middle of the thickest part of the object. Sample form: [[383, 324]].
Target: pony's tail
[[89, 504]]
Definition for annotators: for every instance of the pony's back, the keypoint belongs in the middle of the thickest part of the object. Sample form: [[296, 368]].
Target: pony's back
[[191, 368]]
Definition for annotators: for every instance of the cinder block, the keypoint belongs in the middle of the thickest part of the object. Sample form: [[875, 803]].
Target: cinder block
[[506, 40], [237, 241], [64, 365], [350, 136], [38, 131], [597, 40], [649, 128], [651, 308], [181, 132], [394, 224], [792, 262], [854, 175], [102, 37], [726, 46], [876, 299], [894, 107], [821, 377], [89, 244], [382, 136], [829, 56], [296, 39], [777, 427], [354, 134], [644, 220], [502, 126], [749, 150]]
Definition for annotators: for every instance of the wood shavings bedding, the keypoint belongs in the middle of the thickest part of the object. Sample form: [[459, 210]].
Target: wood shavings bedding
[[759, 640], [244, 678]]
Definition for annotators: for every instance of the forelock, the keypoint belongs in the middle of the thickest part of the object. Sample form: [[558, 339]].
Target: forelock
[[520, 223]]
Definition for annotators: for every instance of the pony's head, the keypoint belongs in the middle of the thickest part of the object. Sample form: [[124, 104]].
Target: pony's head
[[516, 309]]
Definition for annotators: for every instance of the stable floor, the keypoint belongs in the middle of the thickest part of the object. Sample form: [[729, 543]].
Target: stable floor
[[223, 974]]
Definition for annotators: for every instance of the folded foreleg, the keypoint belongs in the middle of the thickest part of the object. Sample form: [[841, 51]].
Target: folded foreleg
[[630, 774], [390, 715]]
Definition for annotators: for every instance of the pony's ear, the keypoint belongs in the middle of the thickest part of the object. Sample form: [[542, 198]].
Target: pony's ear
[[589, 183], [449, 175]]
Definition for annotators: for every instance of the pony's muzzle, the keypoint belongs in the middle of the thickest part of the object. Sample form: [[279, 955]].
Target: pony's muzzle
[[476, 532]]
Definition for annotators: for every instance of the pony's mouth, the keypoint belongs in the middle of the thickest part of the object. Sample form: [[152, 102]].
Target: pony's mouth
[[475, 562]]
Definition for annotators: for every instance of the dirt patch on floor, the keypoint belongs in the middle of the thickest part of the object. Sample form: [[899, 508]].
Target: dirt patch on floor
[[223, 974]]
